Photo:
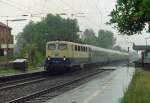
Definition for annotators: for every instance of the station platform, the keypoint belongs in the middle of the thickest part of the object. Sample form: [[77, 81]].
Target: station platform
[[108, 87]]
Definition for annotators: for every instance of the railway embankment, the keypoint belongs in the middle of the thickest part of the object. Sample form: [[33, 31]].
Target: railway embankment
[[7, 71], [4, 71], [139, 89]]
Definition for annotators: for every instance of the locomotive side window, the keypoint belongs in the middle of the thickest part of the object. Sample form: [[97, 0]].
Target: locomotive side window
[[84, 49], [51, 47], [62, 46]]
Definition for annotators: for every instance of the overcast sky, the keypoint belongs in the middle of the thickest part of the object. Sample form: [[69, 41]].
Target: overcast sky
[[95, 14]]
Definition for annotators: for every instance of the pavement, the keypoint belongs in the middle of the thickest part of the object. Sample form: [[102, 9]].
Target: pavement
[[36, 70], [108, 88]]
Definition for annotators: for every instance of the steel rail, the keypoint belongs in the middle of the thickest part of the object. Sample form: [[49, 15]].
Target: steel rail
[[4, 79], [18, 81], [21, 80], [4, 88]]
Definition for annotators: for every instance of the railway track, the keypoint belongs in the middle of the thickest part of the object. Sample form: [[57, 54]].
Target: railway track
[[66, 81], [21, 79], [12, 78], [19, 83]]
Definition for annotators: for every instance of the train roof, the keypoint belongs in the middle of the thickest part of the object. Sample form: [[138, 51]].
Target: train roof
[[106, 50], [68, 42], [94, 48]]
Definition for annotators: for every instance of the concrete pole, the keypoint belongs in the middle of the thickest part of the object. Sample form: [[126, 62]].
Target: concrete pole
[[146, 41], [6, 41]]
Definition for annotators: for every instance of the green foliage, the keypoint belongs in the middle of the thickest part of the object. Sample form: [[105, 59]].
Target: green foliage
[[117, 47], [130, 16], [105, 39], [29, 51], [38, 59], [5, 71], [90, 38], [139, 89]]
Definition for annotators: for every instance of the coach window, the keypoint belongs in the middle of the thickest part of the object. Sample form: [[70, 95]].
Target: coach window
[[76, 48], [87, 49], [84, 49]]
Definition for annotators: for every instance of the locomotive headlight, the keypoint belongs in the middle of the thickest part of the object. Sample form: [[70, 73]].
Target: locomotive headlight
[[48, 58], [64, 58]]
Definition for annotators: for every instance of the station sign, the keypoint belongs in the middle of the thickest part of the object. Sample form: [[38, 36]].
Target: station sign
[[10, 45], [4, 46]]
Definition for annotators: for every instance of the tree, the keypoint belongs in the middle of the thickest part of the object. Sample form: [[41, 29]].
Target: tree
[[53, 27], [89, 37], [29, 51], [106, 39], [130, 16], [117, 47]]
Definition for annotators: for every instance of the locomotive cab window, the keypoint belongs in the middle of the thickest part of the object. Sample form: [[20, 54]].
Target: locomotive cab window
[[62, 46], [57, 46], [51, 47]]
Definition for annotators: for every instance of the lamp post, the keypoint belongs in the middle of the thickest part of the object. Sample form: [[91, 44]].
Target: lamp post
[[6, 38]]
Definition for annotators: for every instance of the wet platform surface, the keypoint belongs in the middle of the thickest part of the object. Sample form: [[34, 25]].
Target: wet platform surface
[[106, 88]]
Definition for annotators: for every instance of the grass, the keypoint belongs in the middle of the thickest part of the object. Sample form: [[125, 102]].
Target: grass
[[2, 58], [139, 89], [33, 68], [8, 71], [4, 71]]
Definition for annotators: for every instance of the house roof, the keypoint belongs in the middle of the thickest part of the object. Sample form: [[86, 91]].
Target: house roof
[[4, 25], [141, 47]]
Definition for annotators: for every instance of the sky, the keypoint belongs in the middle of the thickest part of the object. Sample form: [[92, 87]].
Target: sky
[[93, 15]]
